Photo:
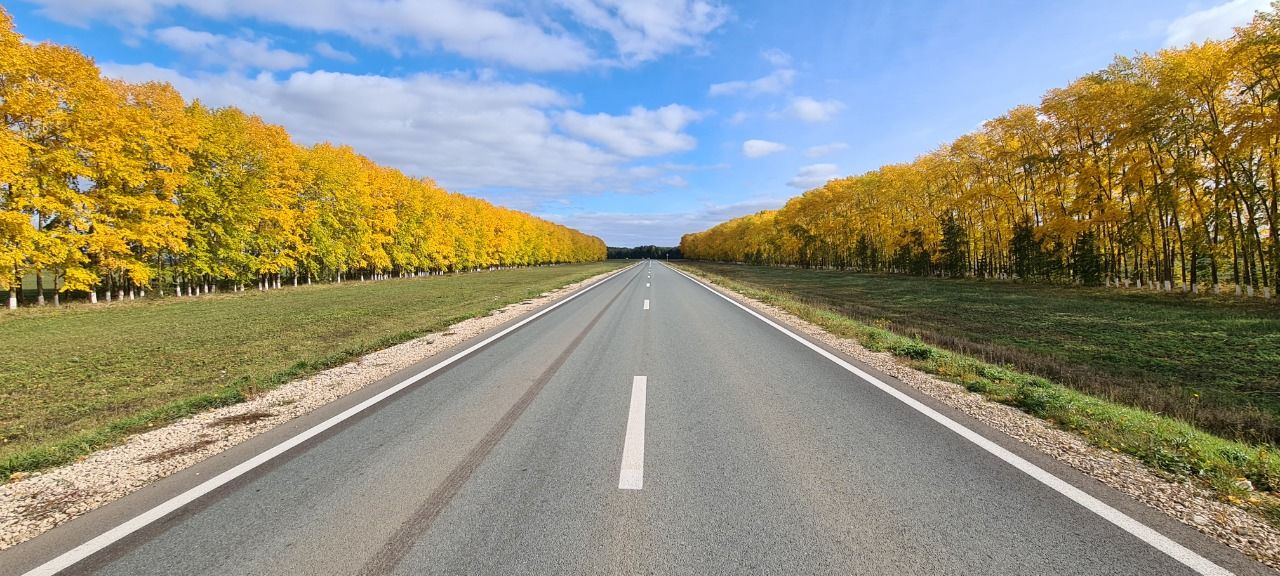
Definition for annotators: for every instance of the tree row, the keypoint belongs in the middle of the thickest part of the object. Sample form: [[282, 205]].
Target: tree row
[[118, 189], [1161, 171]]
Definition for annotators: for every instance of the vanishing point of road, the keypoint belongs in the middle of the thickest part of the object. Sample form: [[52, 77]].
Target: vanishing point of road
[[647, 425]]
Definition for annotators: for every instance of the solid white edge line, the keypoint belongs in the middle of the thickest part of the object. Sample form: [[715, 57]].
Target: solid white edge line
[[1143, 532], [631, 473], [71, 557]]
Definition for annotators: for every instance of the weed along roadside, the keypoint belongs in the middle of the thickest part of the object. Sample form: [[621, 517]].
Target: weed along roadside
[[83, 378], [32, 503], [1209, 361], [1239, 474]]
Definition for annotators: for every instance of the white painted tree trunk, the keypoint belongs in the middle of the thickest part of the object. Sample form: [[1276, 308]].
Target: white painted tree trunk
[[1251, 291], [1238, 290], [93, 297], [13, 298]]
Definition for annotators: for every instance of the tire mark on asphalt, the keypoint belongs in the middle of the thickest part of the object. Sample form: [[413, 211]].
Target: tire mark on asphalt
[[397, 546]]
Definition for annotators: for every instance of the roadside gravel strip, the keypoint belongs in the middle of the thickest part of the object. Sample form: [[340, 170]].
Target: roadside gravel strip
[[1183, 501], [38, 503]]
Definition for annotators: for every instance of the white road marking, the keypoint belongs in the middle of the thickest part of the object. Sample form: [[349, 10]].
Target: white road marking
[[631, 475], [69, 558], [1159, 541], [646, 304], [646, 284]]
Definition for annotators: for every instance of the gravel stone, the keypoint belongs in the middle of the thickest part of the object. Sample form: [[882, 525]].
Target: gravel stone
[[31, 504], [1231, 525]]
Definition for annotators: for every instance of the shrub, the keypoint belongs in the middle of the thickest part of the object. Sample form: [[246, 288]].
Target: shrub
[[914, 349]]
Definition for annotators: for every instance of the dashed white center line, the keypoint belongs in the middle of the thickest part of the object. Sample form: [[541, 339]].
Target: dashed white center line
[[646, 303], [631, 476], [646, 284]]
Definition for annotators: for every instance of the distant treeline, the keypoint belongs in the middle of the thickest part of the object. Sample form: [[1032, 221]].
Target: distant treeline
[[120, 189], [656, 252], [1163, 170]]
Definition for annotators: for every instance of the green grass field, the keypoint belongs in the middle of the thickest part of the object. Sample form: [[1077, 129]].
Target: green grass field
[[81, 377], [1211, 361]]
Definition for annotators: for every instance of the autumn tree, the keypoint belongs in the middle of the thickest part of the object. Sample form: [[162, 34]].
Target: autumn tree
[[122, 189]]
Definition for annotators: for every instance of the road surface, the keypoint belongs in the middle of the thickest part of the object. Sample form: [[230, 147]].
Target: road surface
[[648, 425]]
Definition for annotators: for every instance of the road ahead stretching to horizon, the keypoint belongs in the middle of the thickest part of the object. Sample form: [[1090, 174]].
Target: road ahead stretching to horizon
[[647, 425]]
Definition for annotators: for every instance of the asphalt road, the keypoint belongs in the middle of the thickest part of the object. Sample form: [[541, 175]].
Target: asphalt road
[[740, 450]]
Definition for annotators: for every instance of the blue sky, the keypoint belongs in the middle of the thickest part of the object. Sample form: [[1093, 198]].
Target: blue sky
[[634, 121]]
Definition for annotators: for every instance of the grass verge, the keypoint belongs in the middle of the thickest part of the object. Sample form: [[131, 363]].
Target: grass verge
[[81, 378], [1170, 446], [1206, 360]]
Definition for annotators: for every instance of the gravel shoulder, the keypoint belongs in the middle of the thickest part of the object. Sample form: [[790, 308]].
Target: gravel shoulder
[[1183, 501], [33, 504]]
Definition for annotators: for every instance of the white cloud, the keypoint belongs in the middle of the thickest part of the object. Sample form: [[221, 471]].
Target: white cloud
[[775, 82], [1215, 22], [738, 118], [328, 51], [643, 31], [225, 51], [825, 149], [758, 148], [639, 31], [642, 132], [675, 181], [776, 58], [810, 110], [467, 133], [814, 175]]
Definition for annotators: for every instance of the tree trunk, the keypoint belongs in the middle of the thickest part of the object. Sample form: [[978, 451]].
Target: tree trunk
[[40, 287], [13, 298]]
